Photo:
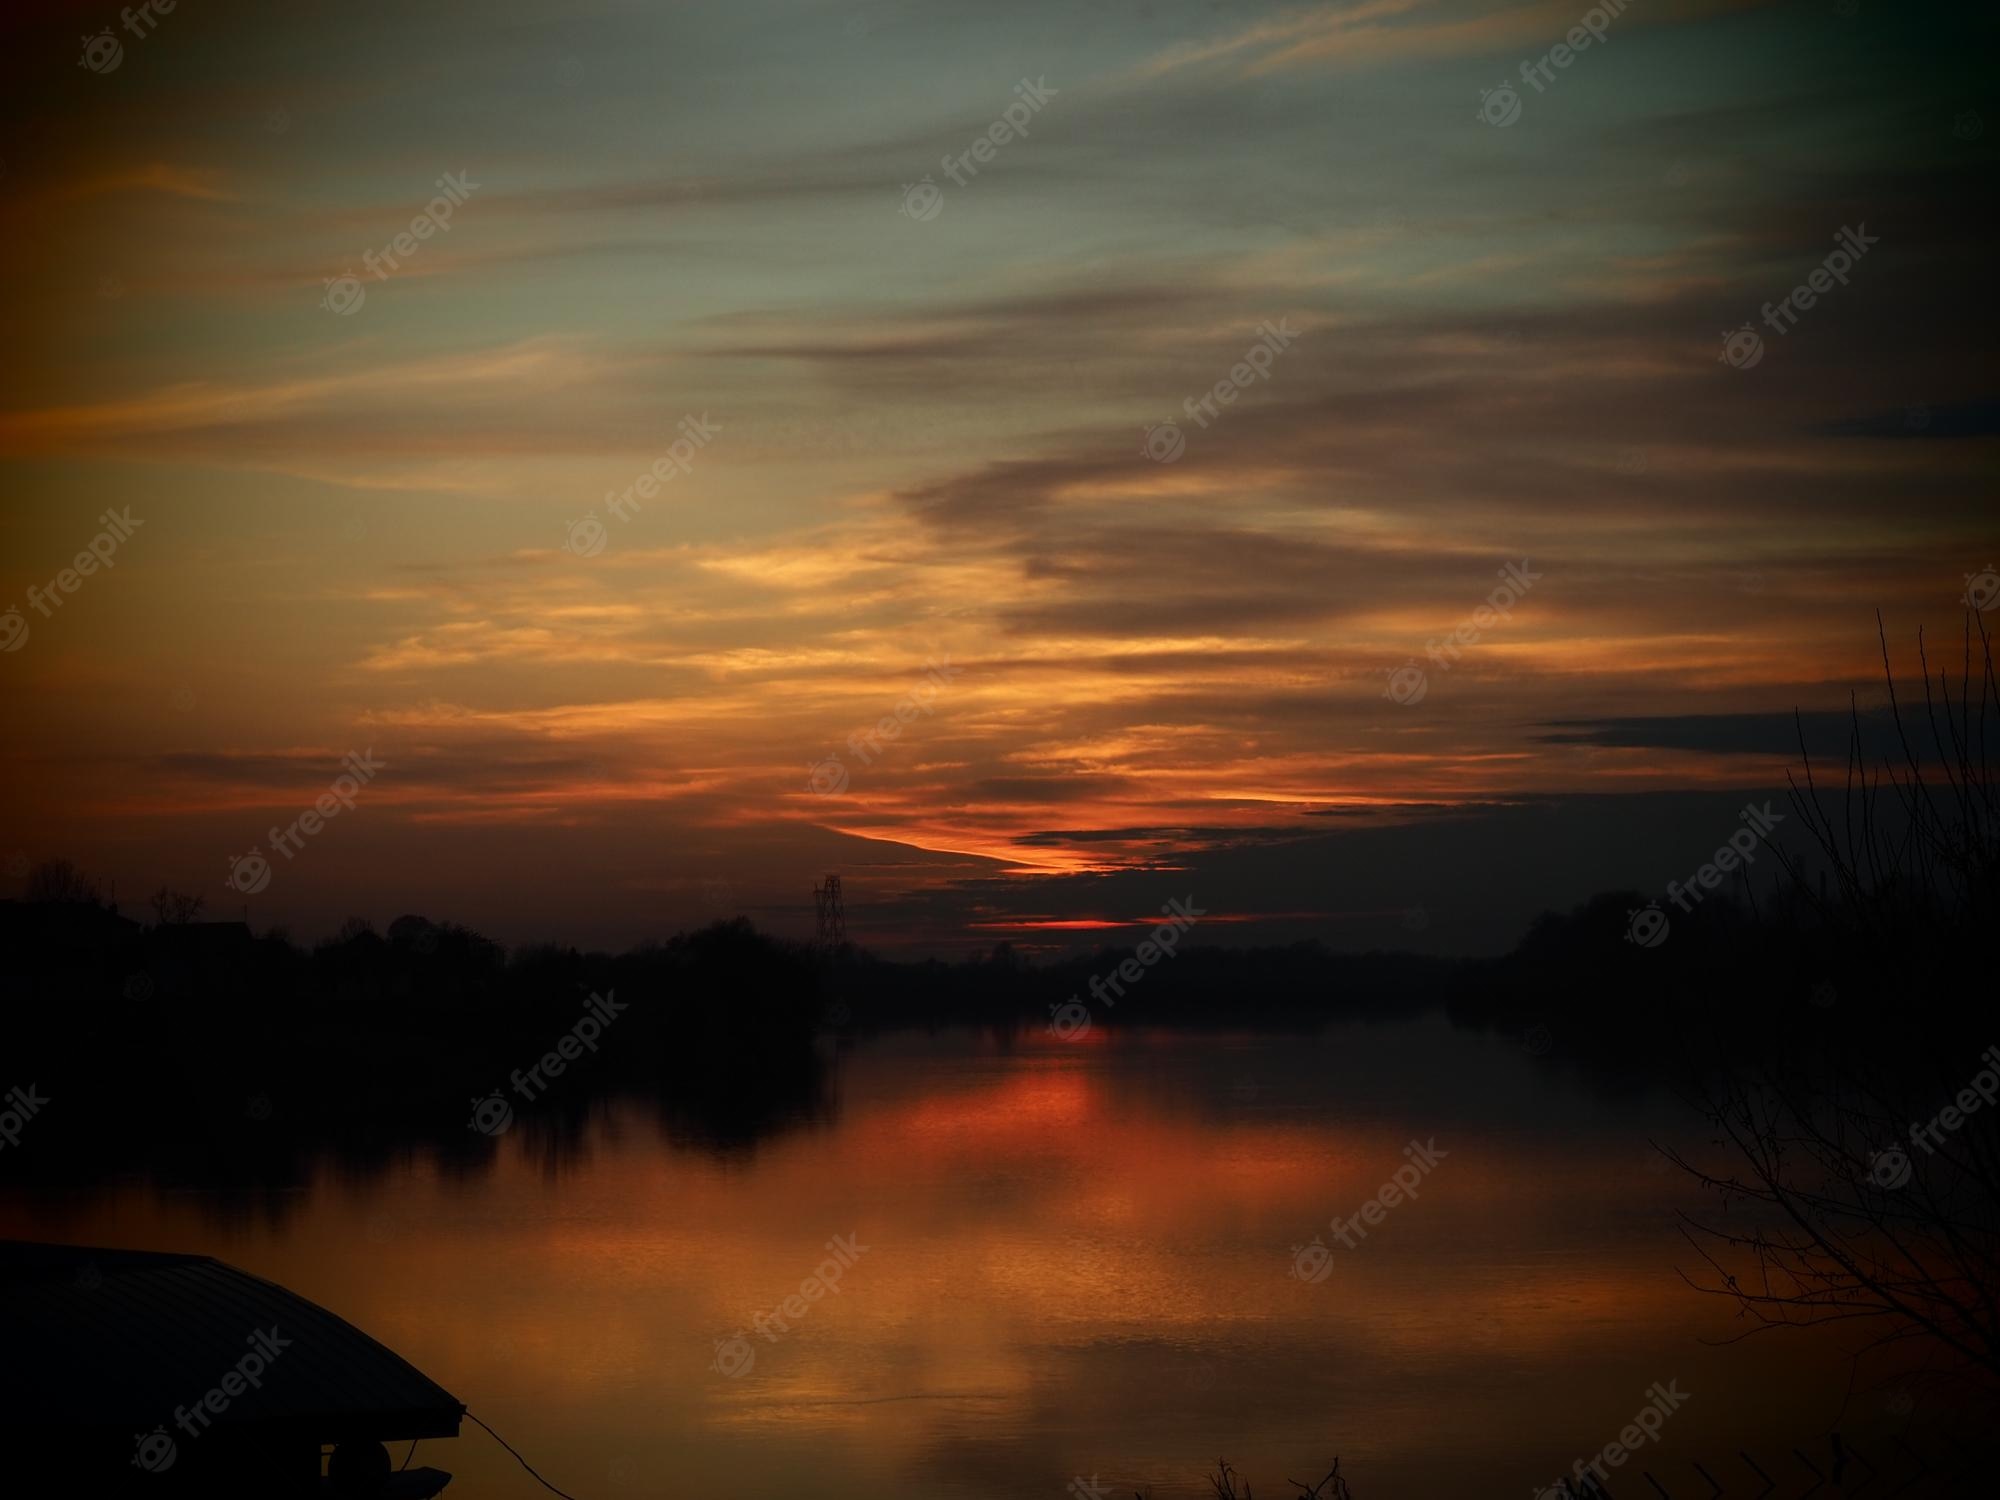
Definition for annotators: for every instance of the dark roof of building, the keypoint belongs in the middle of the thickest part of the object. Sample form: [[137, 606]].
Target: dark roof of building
[[98, 1339]]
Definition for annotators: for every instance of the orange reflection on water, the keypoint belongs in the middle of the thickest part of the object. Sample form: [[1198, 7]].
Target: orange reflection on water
[[1078, 1260]]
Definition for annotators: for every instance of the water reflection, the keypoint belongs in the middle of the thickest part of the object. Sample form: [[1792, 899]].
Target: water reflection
[[1076, 1261]]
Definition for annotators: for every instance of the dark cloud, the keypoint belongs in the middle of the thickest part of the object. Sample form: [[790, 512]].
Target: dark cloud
[[1481, 875], [1822, 734], [1957, 419]]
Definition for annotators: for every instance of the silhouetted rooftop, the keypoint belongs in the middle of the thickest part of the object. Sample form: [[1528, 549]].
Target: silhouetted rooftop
[[121, 1339]]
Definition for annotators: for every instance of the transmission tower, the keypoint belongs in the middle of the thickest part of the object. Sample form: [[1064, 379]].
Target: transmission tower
[[832, 917]]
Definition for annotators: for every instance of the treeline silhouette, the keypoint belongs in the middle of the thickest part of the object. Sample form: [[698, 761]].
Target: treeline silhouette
[[203, 1052]]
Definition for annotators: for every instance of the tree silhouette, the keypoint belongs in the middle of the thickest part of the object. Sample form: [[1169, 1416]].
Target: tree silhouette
[[1871, 1151], [176, 908], [61, 880]]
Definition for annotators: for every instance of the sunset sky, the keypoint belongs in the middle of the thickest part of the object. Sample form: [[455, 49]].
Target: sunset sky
[[1151, 662]]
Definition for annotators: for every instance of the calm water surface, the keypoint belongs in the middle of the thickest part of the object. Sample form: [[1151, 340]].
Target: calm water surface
[[1079, 1264]]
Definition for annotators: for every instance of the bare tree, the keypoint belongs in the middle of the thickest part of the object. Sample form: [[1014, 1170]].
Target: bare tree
[[1916, 845], [1860, 1179], [176, 908], [1850, 1216], [60, 880]]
